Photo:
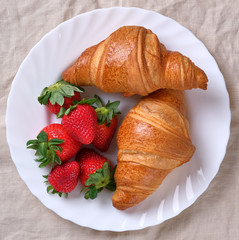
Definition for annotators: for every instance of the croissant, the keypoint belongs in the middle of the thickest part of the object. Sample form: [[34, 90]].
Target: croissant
[[133, 61], [152, 140]]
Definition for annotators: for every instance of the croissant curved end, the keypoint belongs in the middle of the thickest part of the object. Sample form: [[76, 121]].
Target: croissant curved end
[[123, 200], [202, 79], [69, 75], [118, 202]]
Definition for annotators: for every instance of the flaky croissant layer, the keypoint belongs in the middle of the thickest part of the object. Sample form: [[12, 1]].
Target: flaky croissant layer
[[152, 140], [133, 61]]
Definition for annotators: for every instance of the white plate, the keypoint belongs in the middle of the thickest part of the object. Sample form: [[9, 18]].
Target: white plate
[[208, 113]]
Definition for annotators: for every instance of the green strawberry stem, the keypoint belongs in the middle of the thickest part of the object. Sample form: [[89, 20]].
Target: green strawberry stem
[[102, 178], [45, 150], [106, 113], [56, 92]]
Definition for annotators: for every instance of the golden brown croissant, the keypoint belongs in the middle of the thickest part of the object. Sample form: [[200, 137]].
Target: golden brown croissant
[[133, 61], [152, 140]]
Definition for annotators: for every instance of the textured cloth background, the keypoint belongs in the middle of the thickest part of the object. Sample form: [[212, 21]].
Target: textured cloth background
[[215, 215]]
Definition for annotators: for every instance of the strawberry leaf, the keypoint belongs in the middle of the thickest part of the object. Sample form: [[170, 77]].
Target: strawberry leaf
[[55, 141], [88, 101], [56, 92], [40, 159], [68, 111], [45, 98], [113, 105], [102, 178], [57, 160], [49, 188], [98, 101], [42, 137], [94, 178], [106, 170], [44, 163], [68, 90], [91, 193], [111, 186], [57, 97], [63, 111], [45, 150], [106, 113]]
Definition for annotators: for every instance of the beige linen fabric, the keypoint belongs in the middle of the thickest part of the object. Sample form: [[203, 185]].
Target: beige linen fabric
[[215, 215]]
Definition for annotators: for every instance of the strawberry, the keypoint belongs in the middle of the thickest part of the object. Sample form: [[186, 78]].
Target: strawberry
[[59, 95], [104, 134], [96, 172], [53, 144], [63, 178], [107, 124], [80, 121]]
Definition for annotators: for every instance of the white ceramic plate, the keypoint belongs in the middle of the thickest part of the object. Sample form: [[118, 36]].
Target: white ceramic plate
[[208, 113]]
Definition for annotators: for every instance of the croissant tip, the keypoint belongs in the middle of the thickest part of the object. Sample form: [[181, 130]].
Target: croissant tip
[[69, 75], [203, 86], [124, 199], [119, 206], [202, 79], [117, 200]]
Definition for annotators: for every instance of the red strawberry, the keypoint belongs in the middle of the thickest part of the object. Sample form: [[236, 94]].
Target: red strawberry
[[80, 122], [96, 172], [89, 162], [59, 95], [104, 134], [63, 178], [107, 123], [53, 144]]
